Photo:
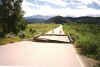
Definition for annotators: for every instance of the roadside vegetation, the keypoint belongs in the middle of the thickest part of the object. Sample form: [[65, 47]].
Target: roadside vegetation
[[12, 25], [28, 33], [87, 38], [33, 29]]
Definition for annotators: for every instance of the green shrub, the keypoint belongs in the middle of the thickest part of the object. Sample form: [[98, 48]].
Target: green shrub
[[22, 34], [9, 40], [10, 35], [34, 29], [87, 38]]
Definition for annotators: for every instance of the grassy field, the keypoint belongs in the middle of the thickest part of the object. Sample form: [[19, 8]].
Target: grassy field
[[87, 38], [33, 29], [28, 33]]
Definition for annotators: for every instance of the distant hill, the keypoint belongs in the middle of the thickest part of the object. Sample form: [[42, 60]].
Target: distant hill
[[57, 20], [37, 18], [85, 19], [61, 20], [34, 20]]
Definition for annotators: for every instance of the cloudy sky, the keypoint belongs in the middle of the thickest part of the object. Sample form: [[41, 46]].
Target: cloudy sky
[[74, 8]]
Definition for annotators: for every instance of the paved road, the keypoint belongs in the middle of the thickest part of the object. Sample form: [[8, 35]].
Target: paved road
[[57, 31], [36, 54]]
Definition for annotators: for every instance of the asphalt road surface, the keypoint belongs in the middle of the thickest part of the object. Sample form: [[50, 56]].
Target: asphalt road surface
[[37, 54]]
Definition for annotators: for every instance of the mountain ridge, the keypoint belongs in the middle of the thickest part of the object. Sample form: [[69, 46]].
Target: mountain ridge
[[61, 19]]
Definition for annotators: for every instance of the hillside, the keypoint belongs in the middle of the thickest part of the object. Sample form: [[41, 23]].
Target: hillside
[[61, 20], [36, 18], [85, 19], [57, 20]]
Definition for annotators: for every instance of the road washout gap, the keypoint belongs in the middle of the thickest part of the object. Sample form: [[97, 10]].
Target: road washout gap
[[56, 35]]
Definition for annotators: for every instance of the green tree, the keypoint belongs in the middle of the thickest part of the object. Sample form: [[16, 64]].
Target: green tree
[[11, 13]]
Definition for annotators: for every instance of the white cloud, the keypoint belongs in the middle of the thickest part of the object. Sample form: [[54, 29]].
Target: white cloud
[[90, 1], [86, 1], [56, 2], [82, 7], [82, 12], [97, 1], [26, 8], [25, 3], [48, 10]]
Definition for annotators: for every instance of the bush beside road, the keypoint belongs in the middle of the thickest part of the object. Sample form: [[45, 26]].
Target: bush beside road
[[30, 31], [87, 38]]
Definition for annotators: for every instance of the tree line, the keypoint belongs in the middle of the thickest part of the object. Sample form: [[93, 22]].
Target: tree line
[[11, 15]]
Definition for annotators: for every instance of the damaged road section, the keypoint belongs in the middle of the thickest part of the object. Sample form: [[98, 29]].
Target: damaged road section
[[52, 38], [55, 36]]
